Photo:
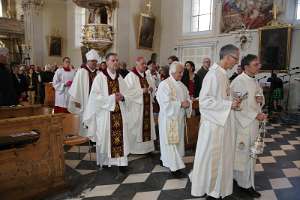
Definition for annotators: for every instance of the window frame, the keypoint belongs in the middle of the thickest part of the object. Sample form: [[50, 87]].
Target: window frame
[[1, 9], [209, 13], [297, 10]]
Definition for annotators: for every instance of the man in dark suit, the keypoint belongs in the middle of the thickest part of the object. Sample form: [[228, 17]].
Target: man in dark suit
[[8, 94], [203, 70]]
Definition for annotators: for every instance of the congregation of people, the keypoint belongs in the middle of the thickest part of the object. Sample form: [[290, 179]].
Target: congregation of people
[[116, 106]]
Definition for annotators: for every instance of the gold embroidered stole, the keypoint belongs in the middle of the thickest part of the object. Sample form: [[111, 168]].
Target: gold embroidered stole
[[147, 107], [116, 122], [172, 124]]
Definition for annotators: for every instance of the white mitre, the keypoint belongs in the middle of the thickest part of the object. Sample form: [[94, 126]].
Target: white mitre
[[92, 55]]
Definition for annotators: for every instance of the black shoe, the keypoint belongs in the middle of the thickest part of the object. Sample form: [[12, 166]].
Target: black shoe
[[105, 166], [230, 197], [250, 192], [211, 198], [178, 174], [123, 169], [160, 163]]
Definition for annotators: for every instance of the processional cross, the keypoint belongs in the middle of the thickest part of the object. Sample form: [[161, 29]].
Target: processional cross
[[149, 7]]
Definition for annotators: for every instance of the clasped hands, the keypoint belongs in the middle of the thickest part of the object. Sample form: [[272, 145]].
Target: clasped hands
[[259, 99], [119, 97], [236, 103], [68, 83], [147, 90], [185, 104], [261, 116]]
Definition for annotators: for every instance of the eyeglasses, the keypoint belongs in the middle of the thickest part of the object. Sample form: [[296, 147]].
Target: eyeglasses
[[234, 57]]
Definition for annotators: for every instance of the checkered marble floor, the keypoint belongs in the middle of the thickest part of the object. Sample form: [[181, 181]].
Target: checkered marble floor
[[277, 173]]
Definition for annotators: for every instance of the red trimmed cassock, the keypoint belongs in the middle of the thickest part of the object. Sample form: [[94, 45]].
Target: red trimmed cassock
[[62, 81], [141, 125], [107, 119]]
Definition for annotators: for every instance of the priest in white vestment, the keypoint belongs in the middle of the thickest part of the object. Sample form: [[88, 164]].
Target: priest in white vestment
[[62, 81], [81, 87], [175, 105], [141, 124], [106, 117], [247, 123], [212, 174]]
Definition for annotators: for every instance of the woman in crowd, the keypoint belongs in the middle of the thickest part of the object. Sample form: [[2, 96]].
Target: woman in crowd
[[191, 80]]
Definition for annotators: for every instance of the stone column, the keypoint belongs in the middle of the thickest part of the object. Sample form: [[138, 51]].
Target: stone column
[[33, 28]]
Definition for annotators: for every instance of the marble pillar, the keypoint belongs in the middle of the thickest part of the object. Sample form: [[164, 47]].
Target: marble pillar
[[33, 28]]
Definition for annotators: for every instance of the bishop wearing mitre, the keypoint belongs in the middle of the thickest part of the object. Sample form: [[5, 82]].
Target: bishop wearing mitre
[[175, 106], [106, 116], [81, 87], [141, 125], [247, 124]]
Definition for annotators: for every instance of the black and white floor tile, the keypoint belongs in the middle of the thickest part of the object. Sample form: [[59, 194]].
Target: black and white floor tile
[[277, 173]]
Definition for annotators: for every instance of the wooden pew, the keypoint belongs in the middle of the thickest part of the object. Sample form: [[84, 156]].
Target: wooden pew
[[23, 111], [37, 169], [192, 128], [49, 95]]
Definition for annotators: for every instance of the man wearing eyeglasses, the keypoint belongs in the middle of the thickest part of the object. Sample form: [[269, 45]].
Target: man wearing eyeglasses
[[212, 173], [204, 69]]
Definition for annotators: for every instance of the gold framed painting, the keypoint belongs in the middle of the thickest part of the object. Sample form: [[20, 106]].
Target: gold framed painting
[[248, 14], [146, 32], [55, 46], [275, 47]]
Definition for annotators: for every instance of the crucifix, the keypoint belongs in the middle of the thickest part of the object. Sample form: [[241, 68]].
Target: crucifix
[[275, 11], [149, 7]]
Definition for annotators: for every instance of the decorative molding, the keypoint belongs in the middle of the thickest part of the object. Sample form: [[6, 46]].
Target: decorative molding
[[32, 5], [11, 26]]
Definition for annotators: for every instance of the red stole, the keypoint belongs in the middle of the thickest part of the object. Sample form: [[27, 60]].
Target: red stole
[[67, 69], [147, 107], [116, 122], [92, 76]]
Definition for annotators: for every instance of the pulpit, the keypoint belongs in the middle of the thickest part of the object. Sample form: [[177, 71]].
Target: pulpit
[[36, 167]]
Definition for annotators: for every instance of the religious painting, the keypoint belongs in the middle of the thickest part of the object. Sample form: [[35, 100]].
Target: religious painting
[[146, 32], [248, 14], [275, 47], [55, 46]]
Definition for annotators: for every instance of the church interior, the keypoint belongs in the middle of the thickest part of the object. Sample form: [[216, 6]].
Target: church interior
[[46, 150]]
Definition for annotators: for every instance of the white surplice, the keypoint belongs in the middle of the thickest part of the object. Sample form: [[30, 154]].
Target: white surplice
[[213, 165], [97, 118], [247, 128], [79, 93], [61, 77], [170, 109], [135, 113]]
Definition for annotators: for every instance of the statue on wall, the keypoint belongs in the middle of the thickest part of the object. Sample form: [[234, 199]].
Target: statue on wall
[[99, 15]]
